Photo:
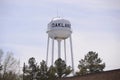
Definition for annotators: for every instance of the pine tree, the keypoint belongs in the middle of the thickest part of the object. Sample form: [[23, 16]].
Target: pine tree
[[90, 64], [52, 73], [62, 69], [30, 72], [42, 72]]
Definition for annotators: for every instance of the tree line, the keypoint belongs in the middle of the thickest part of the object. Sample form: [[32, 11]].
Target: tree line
[[91, 63], [9, 66]]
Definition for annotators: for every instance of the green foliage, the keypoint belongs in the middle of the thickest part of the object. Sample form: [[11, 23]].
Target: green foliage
[[90, 64], [31, 70], [43, 70], [61, 68], [10, 76], [52, 73]]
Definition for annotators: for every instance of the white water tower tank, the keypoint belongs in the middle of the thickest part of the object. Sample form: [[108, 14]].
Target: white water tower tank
[[59, 28]]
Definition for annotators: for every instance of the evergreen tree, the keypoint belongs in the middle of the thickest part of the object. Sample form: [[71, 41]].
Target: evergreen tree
[[30, 72], [90, 64], [52, 73], [43, 70], [62, 70]]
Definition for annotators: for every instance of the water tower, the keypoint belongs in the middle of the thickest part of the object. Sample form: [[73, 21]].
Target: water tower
[[59, 30]]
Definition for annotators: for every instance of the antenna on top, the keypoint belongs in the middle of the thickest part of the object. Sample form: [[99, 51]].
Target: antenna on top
[[58, 12]]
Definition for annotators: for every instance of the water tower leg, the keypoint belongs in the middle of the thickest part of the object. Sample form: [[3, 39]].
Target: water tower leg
[[52, 51], [65, 50], [47, 50], [72, 54], [59, 48]]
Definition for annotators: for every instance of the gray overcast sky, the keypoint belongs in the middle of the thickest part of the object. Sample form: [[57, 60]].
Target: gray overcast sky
[[95, 24]]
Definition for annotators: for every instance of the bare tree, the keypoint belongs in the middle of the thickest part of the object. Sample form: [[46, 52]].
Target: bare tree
[[10, 63], [9, 66], [1, 54]]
